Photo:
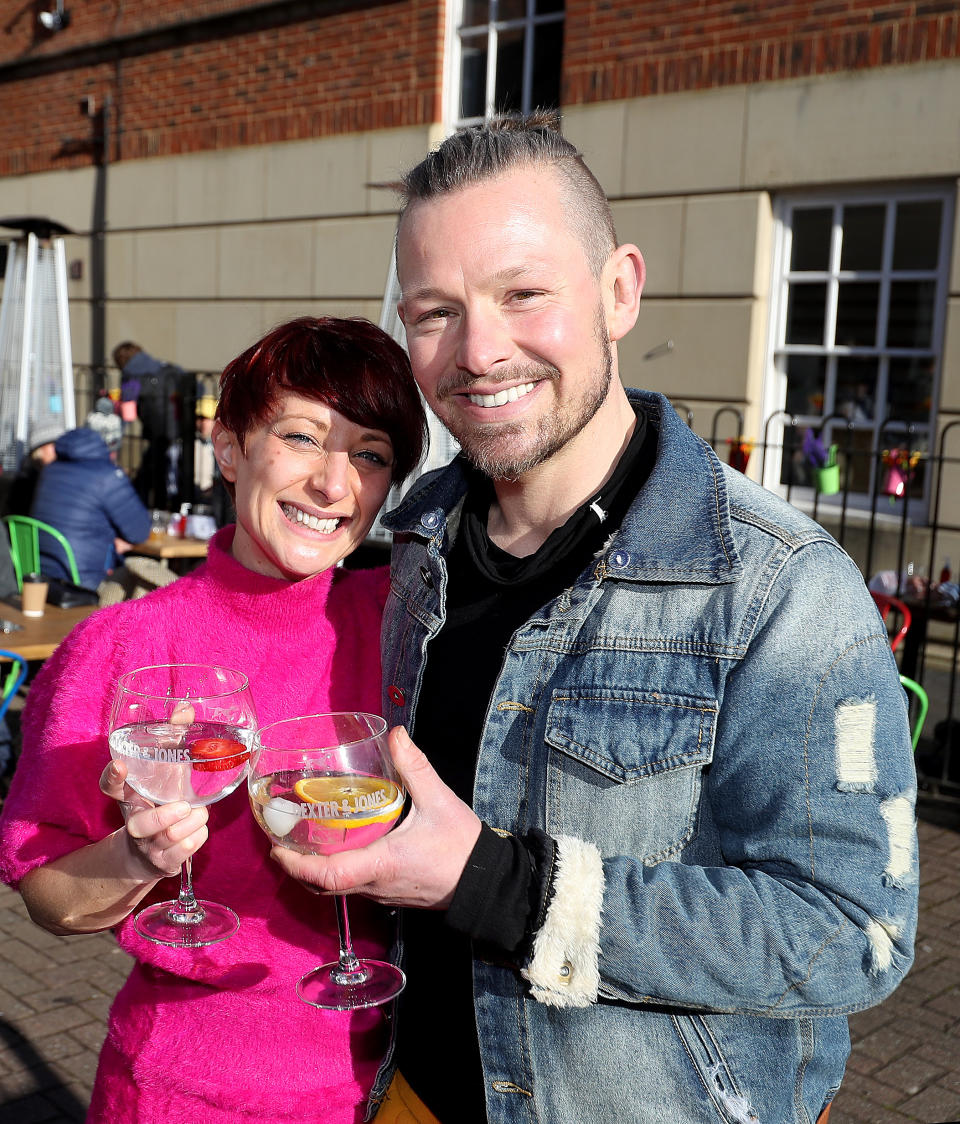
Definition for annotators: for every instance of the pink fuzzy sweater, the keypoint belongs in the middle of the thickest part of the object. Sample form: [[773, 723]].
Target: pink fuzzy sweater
[[218, 1034]]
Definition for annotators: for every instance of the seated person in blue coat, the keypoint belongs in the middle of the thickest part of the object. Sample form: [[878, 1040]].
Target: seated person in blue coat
[[85, 496]]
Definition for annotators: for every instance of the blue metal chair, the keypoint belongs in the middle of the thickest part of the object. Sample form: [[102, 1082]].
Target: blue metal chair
[[14, 679]]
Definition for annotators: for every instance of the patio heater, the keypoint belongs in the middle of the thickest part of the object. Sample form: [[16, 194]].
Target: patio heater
[[36, 363], [442, 446]]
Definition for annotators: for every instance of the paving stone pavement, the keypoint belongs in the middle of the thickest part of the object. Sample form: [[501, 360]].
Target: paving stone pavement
[[904, 1067]]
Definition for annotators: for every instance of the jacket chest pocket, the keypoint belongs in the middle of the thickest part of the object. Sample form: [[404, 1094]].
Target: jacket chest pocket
[[625, 768]]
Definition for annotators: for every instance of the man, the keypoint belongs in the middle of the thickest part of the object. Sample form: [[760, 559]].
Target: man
[[669, 798], [85, 496], [156, 387], [41, 451]]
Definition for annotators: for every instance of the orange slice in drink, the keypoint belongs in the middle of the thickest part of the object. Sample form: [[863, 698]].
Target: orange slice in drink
[[350, 801]]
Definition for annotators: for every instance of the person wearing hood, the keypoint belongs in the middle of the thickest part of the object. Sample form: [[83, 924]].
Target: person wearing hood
[[86, 497]]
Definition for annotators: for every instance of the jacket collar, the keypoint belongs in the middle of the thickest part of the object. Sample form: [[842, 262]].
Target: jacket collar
[[678, 529]]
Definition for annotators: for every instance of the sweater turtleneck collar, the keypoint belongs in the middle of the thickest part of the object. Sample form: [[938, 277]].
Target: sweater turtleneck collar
[[241, 584]]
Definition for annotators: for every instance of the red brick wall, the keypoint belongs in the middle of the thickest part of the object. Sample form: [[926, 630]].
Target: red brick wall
[[272, 74], [633, 48]]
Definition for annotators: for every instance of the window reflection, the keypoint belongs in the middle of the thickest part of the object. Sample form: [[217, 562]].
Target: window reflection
[[910, 389], [910, 322], [857, 303], [916, 239], [806, 313], [812, 229], [863, 237], [856, 393], [806, 381]]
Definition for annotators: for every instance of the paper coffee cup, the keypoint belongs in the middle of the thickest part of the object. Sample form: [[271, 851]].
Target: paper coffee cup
[[33, 596]]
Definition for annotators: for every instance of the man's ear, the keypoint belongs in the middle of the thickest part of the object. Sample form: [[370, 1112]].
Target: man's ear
[[623, 278], [226, 448]]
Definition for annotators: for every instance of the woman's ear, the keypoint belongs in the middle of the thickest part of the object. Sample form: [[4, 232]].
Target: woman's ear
[[226, 448]]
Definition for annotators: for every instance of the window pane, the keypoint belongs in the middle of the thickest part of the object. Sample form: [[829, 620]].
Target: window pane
[[863, 237], [473, 78], [911, 314], [512, 10], [910, 389], [856, 392], [509, 84], [541, 7], [811, 239], [475, 12], [547, 56], [806, 377], [916, 239], [857, 313], [806, 309]]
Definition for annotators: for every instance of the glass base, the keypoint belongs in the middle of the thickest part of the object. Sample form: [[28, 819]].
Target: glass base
[[332, 989], [166, 923]]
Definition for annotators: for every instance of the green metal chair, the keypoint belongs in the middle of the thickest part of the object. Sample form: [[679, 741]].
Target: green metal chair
[[25, 546], [14, 678], [912, 687]]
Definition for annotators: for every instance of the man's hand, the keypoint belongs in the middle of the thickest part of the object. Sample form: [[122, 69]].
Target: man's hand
[[417, 864], [160, 837]]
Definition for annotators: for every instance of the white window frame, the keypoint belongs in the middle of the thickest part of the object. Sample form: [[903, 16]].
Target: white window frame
[[775, 385], [494, 28]]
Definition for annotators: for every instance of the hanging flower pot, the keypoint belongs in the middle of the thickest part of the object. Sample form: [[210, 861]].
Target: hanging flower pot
[[827, 479], [740, 451], [900, 464], [895, 483], [824, 467]]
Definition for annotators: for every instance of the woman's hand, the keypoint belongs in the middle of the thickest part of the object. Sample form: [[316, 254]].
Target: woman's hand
[[98, 886], [161, 837]]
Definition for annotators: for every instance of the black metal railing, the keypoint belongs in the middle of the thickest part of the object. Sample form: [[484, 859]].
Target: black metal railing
[[894, 510], [890, 510]]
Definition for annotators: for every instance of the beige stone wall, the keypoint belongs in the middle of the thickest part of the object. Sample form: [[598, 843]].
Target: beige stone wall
[[205, 252], [693, 176]]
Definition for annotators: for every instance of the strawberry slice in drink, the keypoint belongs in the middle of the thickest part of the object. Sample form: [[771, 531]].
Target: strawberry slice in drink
[[213, 755]]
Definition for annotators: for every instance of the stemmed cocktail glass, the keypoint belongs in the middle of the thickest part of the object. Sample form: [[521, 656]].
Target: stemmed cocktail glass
[[184, 732], [320, 784]]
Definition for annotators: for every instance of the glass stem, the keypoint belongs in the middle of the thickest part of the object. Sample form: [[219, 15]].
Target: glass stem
[[349, 970], [186, 909]]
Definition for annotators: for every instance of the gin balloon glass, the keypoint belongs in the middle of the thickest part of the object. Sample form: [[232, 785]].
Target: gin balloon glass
[[320, 784], [184, 732]]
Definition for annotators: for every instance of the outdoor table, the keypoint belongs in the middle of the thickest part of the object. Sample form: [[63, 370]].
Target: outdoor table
[[171, 546], [39, 636]]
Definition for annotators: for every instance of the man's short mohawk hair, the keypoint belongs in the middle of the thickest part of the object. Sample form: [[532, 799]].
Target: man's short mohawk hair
[[483, 151], [500, 145]]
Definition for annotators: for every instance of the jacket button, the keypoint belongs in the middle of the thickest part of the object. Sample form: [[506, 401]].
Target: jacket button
[[395, 695], [427, 577], [619, 559], [430, 520]]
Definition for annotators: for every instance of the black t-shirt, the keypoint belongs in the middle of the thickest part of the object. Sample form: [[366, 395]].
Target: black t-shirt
[[490, 595]]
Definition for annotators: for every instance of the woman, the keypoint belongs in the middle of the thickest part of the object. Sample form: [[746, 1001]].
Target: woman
[[315, 423]]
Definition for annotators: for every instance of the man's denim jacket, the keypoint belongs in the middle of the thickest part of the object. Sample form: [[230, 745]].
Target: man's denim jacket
[[711, 725]]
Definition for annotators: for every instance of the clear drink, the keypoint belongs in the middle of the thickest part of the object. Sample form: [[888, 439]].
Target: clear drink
[[320, 814], [200, 762]]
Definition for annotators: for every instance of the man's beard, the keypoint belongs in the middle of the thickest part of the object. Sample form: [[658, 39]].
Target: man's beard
[[507, 450]]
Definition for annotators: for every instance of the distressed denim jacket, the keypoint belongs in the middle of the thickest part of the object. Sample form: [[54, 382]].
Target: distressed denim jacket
[[711, 726]]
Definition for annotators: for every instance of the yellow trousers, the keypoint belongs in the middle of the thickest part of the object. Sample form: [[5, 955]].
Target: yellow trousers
[[401, 1105]]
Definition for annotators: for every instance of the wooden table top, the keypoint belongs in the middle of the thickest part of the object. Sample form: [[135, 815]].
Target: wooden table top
[[40, 635], [171, 546]]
